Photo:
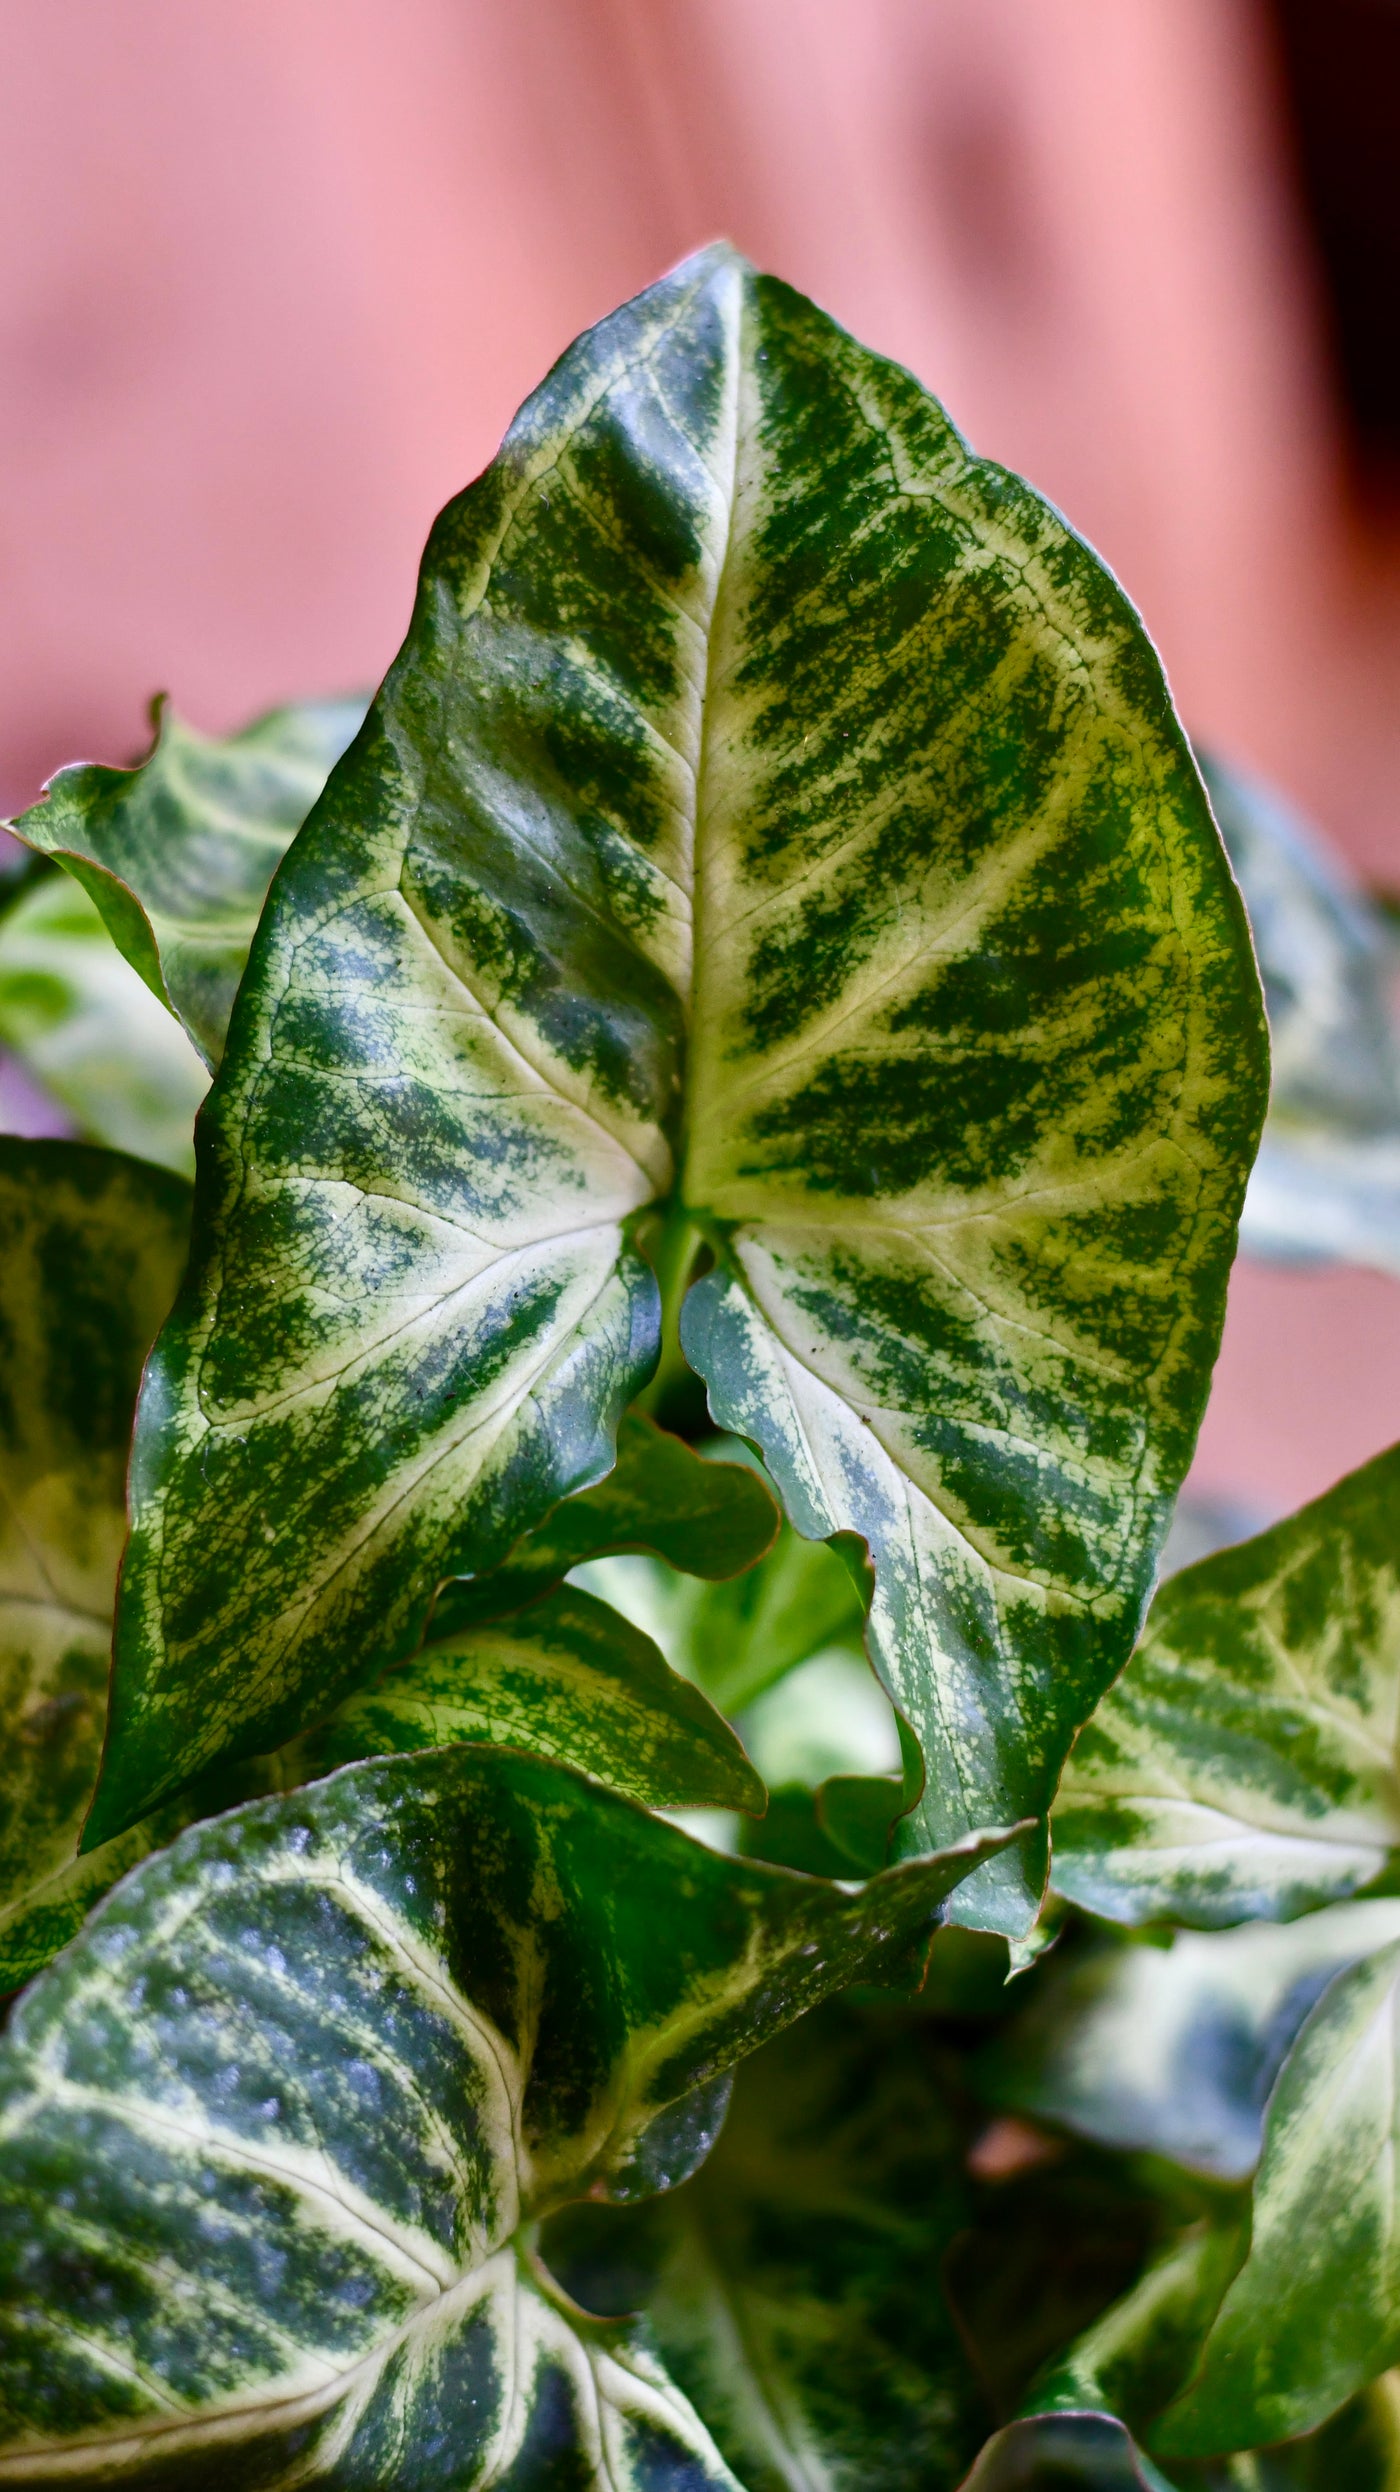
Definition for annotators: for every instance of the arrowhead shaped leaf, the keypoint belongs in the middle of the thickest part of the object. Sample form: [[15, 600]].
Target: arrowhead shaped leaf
[[177, 854], [570, 1679], [1315, 2310], [270, 2131], [710, 1519], [91, 1248], [775, 804], [1245, 1764], [83, 1025]]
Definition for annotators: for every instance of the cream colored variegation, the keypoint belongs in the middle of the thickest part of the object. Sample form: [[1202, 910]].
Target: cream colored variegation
[[1247, 1764], [276, 2131], [776, 821]]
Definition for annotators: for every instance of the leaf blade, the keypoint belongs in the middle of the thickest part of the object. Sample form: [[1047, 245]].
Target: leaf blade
[[571, 1680], [177, 853], [298, 2085], [1243, 1767]]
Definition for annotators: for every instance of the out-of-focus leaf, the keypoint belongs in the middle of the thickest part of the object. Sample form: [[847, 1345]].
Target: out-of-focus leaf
[[1174, 2050], [91, 1248], [570, 1680], [766, 784], [1245, 1765], [792, 2285], [1088, 2452], [1135, 2358], [711, 1519], [738, 1639], [1327, 1179], [83, 1024], [1314, 2312], [274, 2131], [177, 854]]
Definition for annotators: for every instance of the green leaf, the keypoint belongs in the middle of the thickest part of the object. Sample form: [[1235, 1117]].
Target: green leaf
[[1315, 2310], [177, 854], [572, 1680], [1245, 1765], [91, 1248], [1327, 1179], [1174, 2050], [275, 2132], [82, 1023], [712, 1519], [1087, 2452], [776, 804], [792, 2286], [737, 1639]]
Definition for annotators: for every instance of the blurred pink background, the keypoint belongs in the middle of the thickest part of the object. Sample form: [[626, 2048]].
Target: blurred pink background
[[276, 274]]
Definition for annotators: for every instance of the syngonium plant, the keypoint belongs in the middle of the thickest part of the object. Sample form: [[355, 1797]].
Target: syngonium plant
[[609, 1509]]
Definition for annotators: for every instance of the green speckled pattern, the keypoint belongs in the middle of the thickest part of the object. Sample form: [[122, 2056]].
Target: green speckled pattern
[[178, 853], [569, 1679], [1314, 2312], [270, 2130], [91, 1248], [794, 2285], [1246, 1764], [773, 800]]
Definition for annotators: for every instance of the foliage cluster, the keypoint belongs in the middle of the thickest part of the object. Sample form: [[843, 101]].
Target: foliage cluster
[[623, 1861]]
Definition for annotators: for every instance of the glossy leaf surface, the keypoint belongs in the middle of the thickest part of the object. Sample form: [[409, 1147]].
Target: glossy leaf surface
[[569, 1679], [81, 1022], [765, 781], [1245, 1765], [269, 2132], [177, 854], [91, 1248], [1315, 2310], [1174, 2050], [708, 1519]]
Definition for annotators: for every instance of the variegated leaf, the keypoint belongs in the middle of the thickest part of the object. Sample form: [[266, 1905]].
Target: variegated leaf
[[1172, 2051], [177, 854], [706, 1518], [1314, 2312], [777, 810], [569, 1679], [275, 2132], [81, 1022], [792, 2287], [1327, 1179], [1246, 1766], [91, 1247]]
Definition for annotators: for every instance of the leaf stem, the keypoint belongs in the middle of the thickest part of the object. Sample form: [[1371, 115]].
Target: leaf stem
[[671, 1251]]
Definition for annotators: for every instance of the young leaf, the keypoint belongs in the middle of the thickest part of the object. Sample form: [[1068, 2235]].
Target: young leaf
[[1245, 1765], [81, 1022], [177, 854], [1315, 2310], [711, 1519], [572, 1680], [776, 804], [1174, 2051], [792, 2287], [736, 1639], [274, 2131], [91, 1248]]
